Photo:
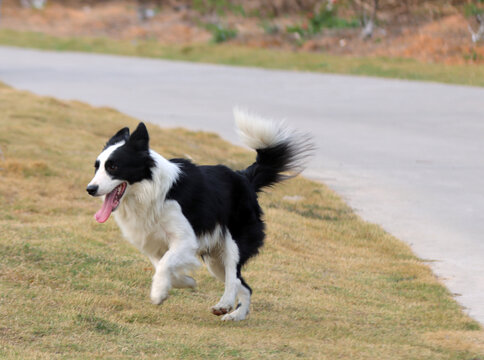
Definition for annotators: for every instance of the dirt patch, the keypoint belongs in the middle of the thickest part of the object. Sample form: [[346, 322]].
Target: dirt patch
[[446, 40], [118, 20], [433, 34]]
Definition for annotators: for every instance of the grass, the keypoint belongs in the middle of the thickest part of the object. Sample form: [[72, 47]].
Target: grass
[[266, 58], [327, 285], [220, 7]]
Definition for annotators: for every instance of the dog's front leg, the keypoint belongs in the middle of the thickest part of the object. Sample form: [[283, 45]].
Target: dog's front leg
[[161, 284], [171, 271]]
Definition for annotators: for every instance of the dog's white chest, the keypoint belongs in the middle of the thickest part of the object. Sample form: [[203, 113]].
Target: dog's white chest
[[143, 231], [154, 232]]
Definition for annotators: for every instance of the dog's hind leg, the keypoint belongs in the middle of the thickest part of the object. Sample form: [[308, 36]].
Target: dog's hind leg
[[215, 265], [227, 265], [243, 295]]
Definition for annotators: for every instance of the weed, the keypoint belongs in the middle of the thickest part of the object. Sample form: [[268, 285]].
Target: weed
[[473, 56], [472, 9], [221, 33], [269, 27], [325, 19]]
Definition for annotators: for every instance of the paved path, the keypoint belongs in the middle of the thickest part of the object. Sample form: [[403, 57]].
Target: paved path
[[406, 155]]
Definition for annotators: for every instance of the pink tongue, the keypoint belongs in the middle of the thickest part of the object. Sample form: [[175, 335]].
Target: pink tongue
[[103, 214]]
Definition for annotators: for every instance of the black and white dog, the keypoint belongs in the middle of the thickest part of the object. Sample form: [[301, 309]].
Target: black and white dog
[[174, 211]]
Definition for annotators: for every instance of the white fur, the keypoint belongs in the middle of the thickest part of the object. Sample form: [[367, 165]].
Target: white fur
[[257, 132], [210, 242], [174, 266], [143, 215], [243, 295], [222, 264], [229, 255]]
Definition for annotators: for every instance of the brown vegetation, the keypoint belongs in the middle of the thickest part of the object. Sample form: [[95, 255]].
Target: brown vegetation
[[429, 31]]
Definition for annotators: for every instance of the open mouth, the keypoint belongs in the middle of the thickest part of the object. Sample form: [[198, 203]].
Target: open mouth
[[111, 203]]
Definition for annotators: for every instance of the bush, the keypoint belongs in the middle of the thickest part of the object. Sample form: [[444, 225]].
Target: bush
[[324, 19], [473, 9], [221, 33], [269, 28]]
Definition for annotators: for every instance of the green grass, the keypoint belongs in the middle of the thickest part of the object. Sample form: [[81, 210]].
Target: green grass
[[220, 7], [243, 56], [327, 285]]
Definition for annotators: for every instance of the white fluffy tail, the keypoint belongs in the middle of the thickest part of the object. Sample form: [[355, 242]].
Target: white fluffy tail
[[257, 132], [281, 152]]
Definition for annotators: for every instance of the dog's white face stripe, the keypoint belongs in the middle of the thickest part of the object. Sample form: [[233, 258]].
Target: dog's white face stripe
[[102, 179]]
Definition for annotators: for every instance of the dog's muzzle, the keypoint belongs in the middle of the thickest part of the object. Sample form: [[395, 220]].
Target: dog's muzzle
[[92, 189]]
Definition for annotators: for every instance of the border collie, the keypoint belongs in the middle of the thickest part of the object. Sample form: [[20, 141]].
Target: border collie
[[174, 211]]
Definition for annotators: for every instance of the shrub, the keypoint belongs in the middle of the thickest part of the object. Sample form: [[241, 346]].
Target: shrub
[[326, 18], [220, 33], [473, 9]]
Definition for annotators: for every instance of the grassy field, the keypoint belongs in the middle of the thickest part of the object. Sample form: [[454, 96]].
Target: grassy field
[[244, 56], [327, 285]]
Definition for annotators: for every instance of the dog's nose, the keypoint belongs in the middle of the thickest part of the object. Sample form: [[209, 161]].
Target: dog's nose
[[92, 189]]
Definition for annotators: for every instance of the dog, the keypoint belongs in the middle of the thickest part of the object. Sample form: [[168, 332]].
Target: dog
[[176, 212]]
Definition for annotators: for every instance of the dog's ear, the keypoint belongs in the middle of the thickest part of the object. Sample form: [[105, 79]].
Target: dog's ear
[[140, 139], [121, 135]]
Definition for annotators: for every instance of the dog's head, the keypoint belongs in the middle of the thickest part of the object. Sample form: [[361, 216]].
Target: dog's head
[[124, 161]]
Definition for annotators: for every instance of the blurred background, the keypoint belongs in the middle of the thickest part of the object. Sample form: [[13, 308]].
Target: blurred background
[[438, 31]]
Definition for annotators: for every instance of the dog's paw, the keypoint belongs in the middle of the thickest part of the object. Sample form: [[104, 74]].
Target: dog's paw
[[221, 309], [158, 300], [235, 316], [157, 297]]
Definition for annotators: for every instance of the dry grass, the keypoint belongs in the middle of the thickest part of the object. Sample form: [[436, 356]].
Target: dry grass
[[327, 285]]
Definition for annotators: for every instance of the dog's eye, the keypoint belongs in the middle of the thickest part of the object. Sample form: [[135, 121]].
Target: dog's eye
[[111, 167], [96, 165]]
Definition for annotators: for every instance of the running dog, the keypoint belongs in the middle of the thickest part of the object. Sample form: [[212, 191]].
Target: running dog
[[176, 212]]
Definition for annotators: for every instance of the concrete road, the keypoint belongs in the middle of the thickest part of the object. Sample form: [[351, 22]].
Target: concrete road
[[406, 155]]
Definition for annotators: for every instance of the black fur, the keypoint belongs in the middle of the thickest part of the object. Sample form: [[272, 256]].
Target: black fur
[[121, 135], [273, 163], [131, 161], [216, 195]]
